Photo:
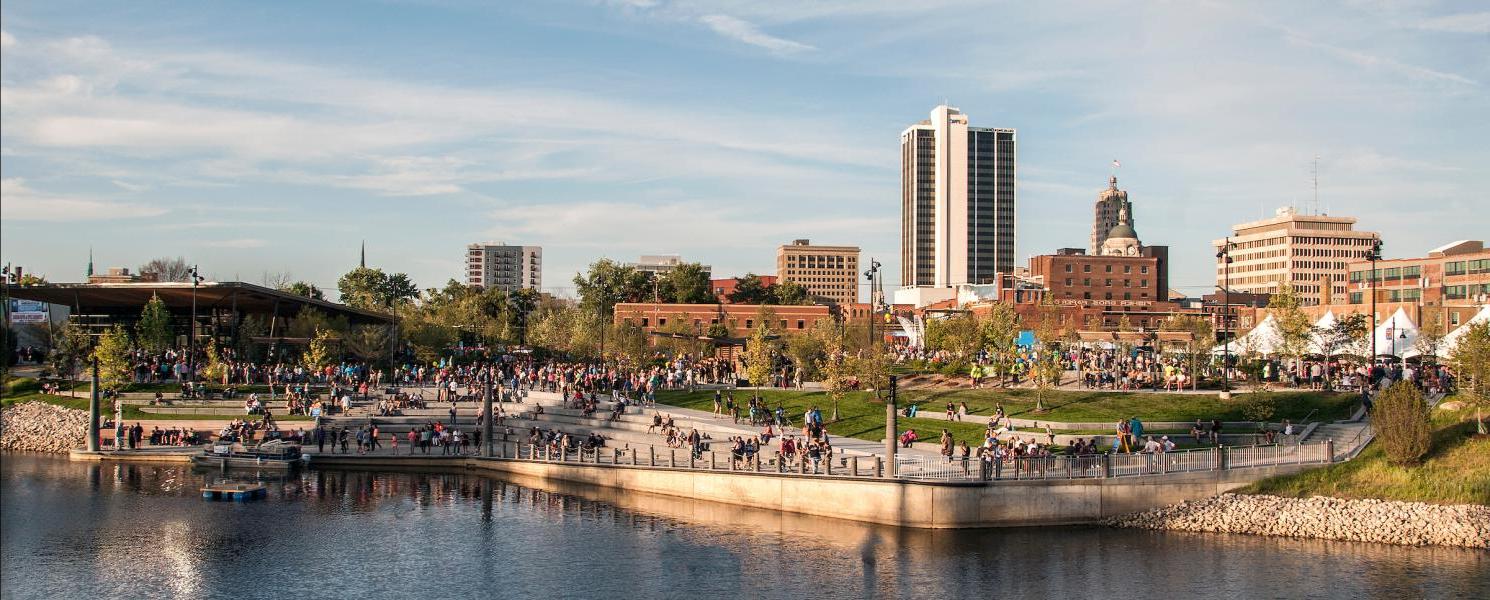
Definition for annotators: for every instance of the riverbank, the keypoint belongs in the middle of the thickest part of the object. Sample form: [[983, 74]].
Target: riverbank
[[42, 427], [1379, 521]]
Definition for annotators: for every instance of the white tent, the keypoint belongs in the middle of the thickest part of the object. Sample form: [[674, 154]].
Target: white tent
[[1446, 345], [1395, 335], [1265, 338], [1316, 339]]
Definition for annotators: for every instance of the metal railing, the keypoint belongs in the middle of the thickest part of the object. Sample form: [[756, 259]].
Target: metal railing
[[1112, 465], [934, 468]]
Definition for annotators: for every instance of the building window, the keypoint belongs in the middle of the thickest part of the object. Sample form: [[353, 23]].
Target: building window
[[1109, 268], [1127, 268], [1086, 295], [1127, 295], [1144, 269], [661, 321], [801, 324], [1068, 281], [1143, 283], [1127, 283], [644, 321], [1068, 267], [1086, 268], [1108, 283], [1086, 281], [1109, 296]]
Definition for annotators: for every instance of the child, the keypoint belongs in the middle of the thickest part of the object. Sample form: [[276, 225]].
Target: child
[[395, 444]]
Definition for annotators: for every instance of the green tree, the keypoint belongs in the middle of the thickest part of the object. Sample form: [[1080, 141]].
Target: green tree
[[30, 279], [789, 293], [112, 352], [1345, 336], [1470, 357], [1198, 348], [1259, 406], [717, 331], [1047, 366], [367, 342], [214, 369], [687, 283], [1000, 329], [1295, 329], [806, 351], [304, 288], [521, 304], [760, 352], [309, 321], [427, 339], [960, 335], [608, 283], [1400, 418], [628, 341], [154, 329], [1430, 334], [372, 289], [750, 290], [70, 348], [321, 350]]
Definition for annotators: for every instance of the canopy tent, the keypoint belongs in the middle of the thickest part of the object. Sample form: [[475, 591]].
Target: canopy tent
[[1265, 338], [1396, 334], [1446, 345], [1323, 325]]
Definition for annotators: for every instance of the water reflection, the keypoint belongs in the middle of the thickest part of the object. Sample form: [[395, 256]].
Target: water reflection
[[81, 529]]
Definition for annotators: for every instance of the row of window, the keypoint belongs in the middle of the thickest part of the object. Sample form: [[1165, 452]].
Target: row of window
[[1087, 268], [1460, 267], [1087, 281], [1108, 295]]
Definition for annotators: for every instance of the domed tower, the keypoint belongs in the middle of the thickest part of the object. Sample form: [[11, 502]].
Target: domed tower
[[1122, 239]]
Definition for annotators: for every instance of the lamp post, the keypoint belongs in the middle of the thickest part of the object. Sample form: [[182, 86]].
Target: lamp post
[[1224, 255], [874, 269], [1373, 255], [191, 332]]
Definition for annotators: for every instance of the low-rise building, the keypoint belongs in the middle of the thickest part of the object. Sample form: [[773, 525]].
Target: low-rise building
[[740, 319]]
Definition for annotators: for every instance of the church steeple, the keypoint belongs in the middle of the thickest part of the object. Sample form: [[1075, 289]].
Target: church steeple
[[90, 261], [362, 261]]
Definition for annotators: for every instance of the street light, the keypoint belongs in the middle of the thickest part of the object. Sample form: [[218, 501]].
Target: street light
[[191, 332], [1373, 255], [1224, 255], [874, 269]]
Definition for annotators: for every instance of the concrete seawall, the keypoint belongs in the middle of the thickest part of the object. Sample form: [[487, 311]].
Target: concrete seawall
[[888, 502]]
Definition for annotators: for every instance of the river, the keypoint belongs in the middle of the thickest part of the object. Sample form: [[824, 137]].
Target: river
[[89, 530]]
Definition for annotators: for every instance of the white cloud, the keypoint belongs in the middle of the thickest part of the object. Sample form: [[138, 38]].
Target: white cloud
[[19, 202], [7, 41], [1461, 23], [747, 32]]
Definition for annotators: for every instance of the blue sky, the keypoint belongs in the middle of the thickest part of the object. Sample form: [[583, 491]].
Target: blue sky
[[260, 137]]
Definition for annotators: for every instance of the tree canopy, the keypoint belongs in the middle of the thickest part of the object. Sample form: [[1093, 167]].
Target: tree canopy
[[372, 289]]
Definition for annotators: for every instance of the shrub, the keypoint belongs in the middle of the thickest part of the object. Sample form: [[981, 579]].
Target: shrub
[[955, 368], [1400, 417], [1259, 406]]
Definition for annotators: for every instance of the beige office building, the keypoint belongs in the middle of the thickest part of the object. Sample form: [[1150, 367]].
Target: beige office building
[[958, 188], [1310, 251], [830, 273]]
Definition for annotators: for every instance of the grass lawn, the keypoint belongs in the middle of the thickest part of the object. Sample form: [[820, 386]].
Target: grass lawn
[[27, 390], [1102, 407], [1457, 471]]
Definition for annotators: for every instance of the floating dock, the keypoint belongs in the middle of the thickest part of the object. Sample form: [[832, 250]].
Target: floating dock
[[237, 492]]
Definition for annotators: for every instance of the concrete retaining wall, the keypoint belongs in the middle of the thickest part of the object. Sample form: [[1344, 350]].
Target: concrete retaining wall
[[888, 502]]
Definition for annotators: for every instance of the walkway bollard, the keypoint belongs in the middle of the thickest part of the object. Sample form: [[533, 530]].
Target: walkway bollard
[[652, 456], [853, 467], [1329, 451], [672, 457], [804, 464], [1107, 465], [879, 466]]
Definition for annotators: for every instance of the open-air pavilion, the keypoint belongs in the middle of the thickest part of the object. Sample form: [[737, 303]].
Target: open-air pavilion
[[219, 307]]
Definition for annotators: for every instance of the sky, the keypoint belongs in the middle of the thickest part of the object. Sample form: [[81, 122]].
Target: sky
[[258, 138]]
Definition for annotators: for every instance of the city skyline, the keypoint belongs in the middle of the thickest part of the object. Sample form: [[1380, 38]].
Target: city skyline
[[675, 128]]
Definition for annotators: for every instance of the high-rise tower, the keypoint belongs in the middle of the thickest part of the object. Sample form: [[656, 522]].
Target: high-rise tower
[[1109, 202], [957, 201]]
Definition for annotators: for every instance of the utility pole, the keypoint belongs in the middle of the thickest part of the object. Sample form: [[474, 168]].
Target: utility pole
[[1225, 256]]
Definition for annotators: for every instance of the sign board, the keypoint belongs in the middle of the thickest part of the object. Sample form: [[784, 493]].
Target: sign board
[[27, 311]]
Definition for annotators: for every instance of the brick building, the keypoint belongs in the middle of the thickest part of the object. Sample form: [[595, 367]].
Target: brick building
[[741, 319], [726, 286]]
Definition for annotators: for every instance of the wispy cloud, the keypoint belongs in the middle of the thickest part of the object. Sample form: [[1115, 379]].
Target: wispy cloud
[[22, 203], [1461, 23], [744, 31]]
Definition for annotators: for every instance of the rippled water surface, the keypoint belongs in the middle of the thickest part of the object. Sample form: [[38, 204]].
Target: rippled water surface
[[82, 530]]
